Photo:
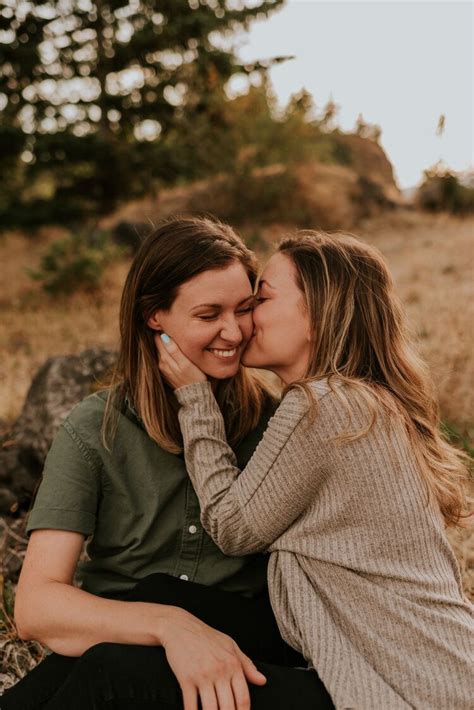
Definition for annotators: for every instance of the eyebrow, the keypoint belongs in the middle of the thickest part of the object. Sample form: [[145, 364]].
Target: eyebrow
[[219, 305]]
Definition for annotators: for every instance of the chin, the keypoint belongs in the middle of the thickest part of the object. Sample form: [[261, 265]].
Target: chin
[[223, 373], [257, 360], [250, 359]]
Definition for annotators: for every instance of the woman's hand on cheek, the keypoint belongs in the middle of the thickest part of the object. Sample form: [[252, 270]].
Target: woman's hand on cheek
[[174, 365]]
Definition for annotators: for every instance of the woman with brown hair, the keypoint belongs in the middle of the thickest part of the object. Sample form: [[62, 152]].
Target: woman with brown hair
[[115, 474], [351, 486]]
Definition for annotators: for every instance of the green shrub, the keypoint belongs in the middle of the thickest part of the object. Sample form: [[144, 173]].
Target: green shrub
[[445, 193], [75, 263]]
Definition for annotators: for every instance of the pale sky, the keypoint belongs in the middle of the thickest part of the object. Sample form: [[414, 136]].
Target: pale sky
[[400, 63]]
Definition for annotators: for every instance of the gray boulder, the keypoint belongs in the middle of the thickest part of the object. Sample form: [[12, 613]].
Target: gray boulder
[[58, 386]]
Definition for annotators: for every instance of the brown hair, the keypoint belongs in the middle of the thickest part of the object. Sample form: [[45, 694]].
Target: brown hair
[[360, 338], [179, 249]]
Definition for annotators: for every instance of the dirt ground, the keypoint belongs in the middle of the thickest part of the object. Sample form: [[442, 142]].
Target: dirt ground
[[432, 261]]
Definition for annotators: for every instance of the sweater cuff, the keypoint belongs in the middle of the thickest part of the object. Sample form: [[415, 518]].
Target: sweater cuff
[[189, 394]]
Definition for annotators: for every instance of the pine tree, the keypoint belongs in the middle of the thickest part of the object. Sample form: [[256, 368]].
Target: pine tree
[[86, 83]]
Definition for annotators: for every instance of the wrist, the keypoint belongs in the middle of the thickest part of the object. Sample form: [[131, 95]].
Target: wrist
[[168, 619], [194, 392]]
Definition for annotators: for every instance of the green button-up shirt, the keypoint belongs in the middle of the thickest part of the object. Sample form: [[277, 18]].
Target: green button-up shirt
[[136, 505]]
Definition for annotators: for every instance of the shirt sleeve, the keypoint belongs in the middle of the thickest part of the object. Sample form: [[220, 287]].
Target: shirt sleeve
[[68, 496], [245, 511]]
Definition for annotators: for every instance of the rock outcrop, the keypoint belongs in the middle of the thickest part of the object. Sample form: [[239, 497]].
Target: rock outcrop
[[58, 385]]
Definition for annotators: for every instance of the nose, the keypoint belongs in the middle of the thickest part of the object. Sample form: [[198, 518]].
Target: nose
[[231, 331]]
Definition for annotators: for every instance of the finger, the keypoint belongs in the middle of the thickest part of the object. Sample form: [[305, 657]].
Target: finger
[[190, 697], [241, 692], [171, 355], [175, 365], [251, 671], [166, 358], [169, 344], [162, 348], [167, 362], [225, 695], [174, 351], [208, 698]]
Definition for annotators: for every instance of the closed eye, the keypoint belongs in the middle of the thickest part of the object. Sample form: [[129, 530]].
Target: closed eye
[[248, 309], [241, 312]]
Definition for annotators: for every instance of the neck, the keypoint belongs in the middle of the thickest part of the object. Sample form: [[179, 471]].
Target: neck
[[214, 383]]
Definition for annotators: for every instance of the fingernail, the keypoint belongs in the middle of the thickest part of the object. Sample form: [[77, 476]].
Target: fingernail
[[165, 338]]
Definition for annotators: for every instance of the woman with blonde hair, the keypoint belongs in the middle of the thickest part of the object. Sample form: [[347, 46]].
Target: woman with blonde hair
[[350, 488], [160, 617]]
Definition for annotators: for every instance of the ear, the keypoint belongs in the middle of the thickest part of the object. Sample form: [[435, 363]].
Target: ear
[[154, 321]]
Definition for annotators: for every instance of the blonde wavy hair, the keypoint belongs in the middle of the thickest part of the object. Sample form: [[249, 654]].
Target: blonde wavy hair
[[361, 339], [179, 249]]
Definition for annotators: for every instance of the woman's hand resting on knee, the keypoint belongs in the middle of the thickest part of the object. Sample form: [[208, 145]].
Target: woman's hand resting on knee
[[208, 664]]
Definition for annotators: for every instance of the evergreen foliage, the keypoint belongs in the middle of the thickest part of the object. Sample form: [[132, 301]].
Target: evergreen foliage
[[85, 84]]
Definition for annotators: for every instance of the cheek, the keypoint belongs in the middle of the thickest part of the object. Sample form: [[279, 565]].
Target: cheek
[[278, 325], [258, 316], [193, 340], [267, 317], [198, 339], [246, 326]]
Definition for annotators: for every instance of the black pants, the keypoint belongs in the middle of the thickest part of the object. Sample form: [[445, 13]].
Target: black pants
[[112, 676]]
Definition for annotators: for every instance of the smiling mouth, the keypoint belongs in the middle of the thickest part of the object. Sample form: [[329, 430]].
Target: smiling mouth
[[224, 354]]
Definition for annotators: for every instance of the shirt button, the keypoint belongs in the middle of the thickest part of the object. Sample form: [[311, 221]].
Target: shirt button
[[192, 529], [184, 576]]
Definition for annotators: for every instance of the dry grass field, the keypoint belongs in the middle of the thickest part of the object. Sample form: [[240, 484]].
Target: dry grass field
[[431, 258]]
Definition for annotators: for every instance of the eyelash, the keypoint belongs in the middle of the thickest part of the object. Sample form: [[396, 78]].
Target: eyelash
[[260, 299], [239, 313]]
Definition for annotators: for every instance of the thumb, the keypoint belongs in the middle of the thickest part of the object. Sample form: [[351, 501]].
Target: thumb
[[251, 671]]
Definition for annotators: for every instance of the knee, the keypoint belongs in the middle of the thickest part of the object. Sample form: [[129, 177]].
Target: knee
[[103, 653], [158, 588], [117, 658]]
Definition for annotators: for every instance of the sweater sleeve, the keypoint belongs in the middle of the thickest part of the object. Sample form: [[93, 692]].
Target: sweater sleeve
[[245, 511]]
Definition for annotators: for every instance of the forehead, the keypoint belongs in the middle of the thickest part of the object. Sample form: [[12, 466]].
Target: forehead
[[225, 284], [279, 271]]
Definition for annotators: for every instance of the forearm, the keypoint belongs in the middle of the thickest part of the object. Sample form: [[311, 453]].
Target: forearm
[[69, 620], [247, 510], [212, 466]]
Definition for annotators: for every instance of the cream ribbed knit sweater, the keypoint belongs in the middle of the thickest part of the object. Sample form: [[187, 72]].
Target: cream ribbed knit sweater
[[362, 578]]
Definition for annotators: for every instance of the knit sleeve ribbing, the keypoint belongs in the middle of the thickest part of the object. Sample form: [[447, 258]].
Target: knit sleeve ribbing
[[245, 511]]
